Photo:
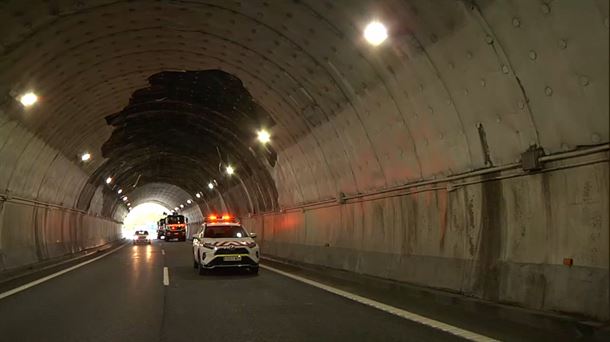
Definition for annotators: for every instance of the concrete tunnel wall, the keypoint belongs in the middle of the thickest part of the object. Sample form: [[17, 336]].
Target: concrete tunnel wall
[[459, 86], [39, 190], [501, 237]]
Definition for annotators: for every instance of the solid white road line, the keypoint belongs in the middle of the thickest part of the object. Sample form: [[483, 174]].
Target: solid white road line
[[57, 274], [387, 308], [165, 276]]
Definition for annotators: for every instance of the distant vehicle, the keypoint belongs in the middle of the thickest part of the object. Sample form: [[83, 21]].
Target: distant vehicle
[[224, 242], [161, 229], [175, 227], [141, 236]]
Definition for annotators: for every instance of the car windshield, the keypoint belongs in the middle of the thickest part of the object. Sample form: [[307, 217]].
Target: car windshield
[[217, 232], [141, 232], [174, 219]]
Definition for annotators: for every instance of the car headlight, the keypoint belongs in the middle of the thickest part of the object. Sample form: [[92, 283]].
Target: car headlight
[[251, 244], [209, 245]]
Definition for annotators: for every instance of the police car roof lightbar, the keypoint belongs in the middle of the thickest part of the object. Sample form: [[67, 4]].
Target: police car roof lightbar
[[224, 217]]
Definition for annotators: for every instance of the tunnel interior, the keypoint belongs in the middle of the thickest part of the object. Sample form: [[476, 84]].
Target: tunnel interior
[[467, 152]]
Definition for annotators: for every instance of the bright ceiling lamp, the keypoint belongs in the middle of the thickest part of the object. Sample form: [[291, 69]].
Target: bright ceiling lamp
[[120, 191], [210, 185], [230, 170], [28, 99], [108, 180], [85, 157], [124, 198], [188, 201], [264, 136], [375, 33], [181, 205], [198, 195], [176, 208]]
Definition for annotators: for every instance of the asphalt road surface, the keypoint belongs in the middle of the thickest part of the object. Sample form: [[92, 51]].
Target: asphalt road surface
[[122, 297]]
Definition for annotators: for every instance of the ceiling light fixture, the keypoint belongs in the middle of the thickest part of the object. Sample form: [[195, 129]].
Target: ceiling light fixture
[[264, 136], [375, 33], [108, 180], [28, 99], [86, 156], [230, 170]]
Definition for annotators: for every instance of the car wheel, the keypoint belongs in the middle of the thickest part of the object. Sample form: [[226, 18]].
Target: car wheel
[[202, 271], [254, 270]]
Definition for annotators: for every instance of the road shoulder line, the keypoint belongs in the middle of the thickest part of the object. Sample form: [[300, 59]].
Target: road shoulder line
[[387, 308], [54, 275]]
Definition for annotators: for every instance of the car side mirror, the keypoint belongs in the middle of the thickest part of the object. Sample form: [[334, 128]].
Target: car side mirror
[[194, 238], [253, 235]]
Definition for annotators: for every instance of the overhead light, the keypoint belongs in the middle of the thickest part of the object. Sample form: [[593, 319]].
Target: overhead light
[[210, 185], [230, 170], [375, 33], [176, 208], [198, 195], [128, 204], [189, 201], [28, 99], [120, 191], [125, 198], [181, 205], [108, 180], [264, 136], [86, 156]]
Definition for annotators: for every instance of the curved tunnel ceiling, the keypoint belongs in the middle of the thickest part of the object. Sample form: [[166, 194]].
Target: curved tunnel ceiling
[[460, 85]]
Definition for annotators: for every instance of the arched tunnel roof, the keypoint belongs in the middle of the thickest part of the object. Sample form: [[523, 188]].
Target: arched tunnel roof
[[459, 85]]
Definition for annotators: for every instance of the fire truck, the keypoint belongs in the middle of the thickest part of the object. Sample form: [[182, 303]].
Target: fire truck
[[161, 229], [173, 227]]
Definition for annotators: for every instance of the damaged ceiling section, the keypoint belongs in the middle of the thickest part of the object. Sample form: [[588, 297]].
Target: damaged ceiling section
[[185, 129]]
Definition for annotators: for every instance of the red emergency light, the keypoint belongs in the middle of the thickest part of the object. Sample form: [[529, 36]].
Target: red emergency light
[[216, 218]]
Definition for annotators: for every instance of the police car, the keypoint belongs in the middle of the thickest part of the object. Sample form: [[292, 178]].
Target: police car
[[224, 242]]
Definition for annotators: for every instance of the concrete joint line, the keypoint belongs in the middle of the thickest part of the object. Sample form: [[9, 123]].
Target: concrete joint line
[[387, 308]]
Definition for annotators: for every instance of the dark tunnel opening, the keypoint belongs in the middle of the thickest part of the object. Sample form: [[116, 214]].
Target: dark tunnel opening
[[185, 129]]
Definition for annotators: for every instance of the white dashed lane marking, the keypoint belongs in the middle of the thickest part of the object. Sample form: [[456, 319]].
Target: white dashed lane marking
[[165, 276]]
